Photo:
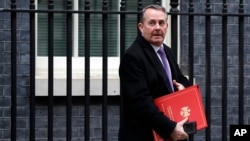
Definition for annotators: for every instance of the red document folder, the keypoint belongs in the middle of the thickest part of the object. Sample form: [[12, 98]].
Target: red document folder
[[181, 104]]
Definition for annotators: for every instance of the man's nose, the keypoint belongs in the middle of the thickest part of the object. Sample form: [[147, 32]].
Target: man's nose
[[157, 26]]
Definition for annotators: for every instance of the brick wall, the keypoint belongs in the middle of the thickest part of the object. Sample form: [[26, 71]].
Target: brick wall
[[113, 105], [216, 61]]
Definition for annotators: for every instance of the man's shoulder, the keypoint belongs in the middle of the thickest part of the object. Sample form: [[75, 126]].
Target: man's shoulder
[[138, 45], [134, 48], [167, 47]]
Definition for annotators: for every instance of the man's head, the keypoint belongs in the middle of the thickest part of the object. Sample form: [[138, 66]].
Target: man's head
[[153, 24]]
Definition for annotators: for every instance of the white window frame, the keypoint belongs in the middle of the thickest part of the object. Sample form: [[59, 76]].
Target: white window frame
[[78, 69]]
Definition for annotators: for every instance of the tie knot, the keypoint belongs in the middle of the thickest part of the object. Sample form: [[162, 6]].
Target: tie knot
[[161, 50]]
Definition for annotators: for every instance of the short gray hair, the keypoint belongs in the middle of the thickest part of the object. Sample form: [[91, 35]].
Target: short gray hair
[[153, 6]]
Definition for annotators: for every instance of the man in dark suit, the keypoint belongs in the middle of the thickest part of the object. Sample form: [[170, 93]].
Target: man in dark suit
[[143, 78]]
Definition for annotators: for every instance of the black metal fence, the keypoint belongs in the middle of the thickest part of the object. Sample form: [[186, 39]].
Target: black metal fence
[[174, 13]]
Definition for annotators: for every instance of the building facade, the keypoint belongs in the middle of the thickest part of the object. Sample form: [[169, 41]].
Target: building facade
[[214, 37]]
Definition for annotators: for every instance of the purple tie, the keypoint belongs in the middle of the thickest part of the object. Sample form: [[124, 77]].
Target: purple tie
[[166, 65]]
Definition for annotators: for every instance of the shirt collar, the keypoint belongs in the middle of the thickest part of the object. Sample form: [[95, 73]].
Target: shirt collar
[[156, 48]]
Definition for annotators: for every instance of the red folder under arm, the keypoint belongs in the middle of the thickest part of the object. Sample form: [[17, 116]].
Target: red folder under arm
[[181, 104]]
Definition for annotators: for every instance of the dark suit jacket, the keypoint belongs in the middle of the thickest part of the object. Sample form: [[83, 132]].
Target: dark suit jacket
[[142, 79]]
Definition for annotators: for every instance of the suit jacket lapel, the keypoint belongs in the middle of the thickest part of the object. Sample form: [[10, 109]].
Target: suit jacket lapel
[[170, 60], [157, 65]]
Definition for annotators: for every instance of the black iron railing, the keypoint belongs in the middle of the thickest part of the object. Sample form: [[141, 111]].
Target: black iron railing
[[174, 13]]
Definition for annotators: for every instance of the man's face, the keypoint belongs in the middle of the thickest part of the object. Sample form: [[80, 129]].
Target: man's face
[[154, 26]]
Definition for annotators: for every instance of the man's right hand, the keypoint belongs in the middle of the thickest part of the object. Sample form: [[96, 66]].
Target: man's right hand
[[178, 132]]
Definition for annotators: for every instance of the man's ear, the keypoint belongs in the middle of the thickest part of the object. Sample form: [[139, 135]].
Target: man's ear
[[140, 27]]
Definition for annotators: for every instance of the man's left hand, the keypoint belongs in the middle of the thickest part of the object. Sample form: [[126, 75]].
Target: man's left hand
[[179, 86]]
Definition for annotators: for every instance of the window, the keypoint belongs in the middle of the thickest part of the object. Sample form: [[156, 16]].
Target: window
[[60, 29], [78, 47]]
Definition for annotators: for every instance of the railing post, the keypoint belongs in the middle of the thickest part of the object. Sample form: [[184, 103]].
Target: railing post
[[241, 63], [191, 40], [174, 25], [208, 70], [191, 47], [69, 72], [104, 71], [139, 8], [224, 71], [87, 73], [13, 71], [122, 27], [122, 41], [32, 71], [50, 69], [157, 2]]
